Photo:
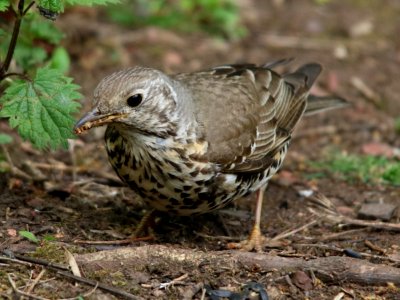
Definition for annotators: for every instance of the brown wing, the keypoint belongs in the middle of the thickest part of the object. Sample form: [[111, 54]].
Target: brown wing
[[247, 113]]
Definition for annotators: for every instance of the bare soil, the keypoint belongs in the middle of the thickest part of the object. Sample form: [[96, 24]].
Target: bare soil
[[74, 196]]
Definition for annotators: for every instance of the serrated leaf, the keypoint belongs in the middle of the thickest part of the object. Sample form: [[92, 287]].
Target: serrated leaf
[[41, 109], [91, 2], [50, 9], [4, 4], [60, 60], [29, 235], [5, 139]]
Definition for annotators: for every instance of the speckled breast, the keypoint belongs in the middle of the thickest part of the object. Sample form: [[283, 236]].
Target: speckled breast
[[169, 180]]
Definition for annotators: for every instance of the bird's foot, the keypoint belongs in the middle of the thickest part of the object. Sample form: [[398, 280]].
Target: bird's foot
[[145, 226], [255, 241]]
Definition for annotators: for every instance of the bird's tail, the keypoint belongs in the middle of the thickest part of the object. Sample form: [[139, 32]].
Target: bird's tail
[[316, 104]]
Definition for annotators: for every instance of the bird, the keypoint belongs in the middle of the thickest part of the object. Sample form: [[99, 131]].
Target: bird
[[191, 143]]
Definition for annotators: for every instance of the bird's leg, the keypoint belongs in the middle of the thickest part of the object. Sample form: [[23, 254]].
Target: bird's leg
[[255, 239], [145, 224]]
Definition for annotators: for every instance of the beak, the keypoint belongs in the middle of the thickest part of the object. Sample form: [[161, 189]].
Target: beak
[[94, 119]]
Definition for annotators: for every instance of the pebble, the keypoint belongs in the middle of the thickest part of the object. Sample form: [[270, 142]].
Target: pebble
[[382, 211]]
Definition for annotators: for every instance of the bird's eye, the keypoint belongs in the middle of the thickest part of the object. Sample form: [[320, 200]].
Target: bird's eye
[[134, 100]]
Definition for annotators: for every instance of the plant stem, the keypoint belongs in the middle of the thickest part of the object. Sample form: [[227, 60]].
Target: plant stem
[[11, 48]]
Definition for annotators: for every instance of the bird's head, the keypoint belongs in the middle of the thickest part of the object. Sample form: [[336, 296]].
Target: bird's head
[[140, 99]]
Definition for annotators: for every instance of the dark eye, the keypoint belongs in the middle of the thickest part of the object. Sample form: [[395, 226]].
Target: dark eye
[[135, 100]]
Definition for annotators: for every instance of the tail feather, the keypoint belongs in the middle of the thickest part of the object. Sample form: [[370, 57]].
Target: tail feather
[[316, 104]]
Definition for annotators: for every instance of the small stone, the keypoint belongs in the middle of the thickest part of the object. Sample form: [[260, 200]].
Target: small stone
[[382, 211], [158, 294], [302, 281]]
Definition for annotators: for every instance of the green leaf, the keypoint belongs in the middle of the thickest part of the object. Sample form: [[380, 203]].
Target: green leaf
[[36, 36], [29, 236], [49, 238], [4, 4], [38, 28], [51, 6], [41, 109], [60, 60], [91, 2], [5, 139], [392, 174]]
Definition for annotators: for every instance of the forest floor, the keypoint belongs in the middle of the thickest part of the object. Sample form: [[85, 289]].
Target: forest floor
[[71, 199]]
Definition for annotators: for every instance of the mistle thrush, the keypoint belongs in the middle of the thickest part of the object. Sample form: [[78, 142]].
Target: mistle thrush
[[191, 143]]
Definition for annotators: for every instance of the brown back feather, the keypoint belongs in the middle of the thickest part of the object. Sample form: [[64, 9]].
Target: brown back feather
[[247, 113]]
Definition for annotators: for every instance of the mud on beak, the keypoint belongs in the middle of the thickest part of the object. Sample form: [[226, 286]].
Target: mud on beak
[[94, 119]]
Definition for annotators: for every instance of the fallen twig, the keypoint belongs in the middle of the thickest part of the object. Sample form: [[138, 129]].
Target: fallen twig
[[35, 282], [341, 250], [293, 231], [329, 269], [321, 206], [14, 170], [104, 287], [42, 262], [59, 269], [178, 280], [365, 90], [115, 242], [22, 293]]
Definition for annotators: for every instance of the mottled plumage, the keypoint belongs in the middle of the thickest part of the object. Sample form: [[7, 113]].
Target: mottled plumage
[[197, 141]]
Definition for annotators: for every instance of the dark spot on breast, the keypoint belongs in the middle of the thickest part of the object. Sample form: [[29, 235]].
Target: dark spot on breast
[[126, 159], [146, 174], [132, 184], [197, 190], [187, 187], [205, 171], [173, 201], [194, 173], [162, 196], [180, 152], [275, 164], [159, 169], [188, 164], [209, 182], [118, 164], [111, 152], [204, 196], [176, 166], [134, 165], [151, 198], [187, 201], [153, 179], [172, 176], [140, 192], [211, 201], [112, 136], [185, 195]]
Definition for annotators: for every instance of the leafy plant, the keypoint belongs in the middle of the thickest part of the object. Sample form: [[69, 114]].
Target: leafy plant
[[29, 236], [36, 96], [218, 17], [365, 168]]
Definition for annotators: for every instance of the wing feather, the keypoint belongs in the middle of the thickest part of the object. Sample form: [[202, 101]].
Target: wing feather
[[247, 113]]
